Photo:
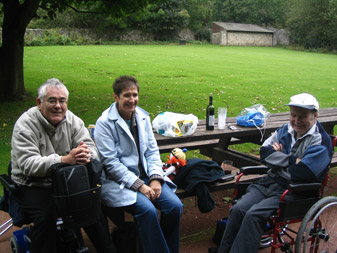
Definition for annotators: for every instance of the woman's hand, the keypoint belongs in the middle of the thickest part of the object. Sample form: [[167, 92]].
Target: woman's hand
[[156, 186], [148, 192]]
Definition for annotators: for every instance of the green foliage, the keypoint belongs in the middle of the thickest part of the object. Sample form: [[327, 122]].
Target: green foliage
[[117, 8], [313, 24], [204, 34], [55, 37], [200, 12], [167, 18], [163, 19], [1, 14], [200, 18], [261, 12], [73, 19]]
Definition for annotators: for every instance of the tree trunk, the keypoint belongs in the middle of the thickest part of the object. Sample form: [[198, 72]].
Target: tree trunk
[[11, 68], [16, 19]]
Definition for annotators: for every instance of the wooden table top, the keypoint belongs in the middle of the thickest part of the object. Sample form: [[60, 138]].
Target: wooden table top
[[327, 117]]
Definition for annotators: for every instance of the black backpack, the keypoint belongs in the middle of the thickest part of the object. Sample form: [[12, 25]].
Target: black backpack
[[77, 192]]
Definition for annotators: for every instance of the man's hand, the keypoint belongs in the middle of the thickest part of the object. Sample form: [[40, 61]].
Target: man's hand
[[278, 146], [79, 155]]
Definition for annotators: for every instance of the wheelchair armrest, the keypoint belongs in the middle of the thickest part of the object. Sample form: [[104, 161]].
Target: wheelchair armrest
[[7, 182], [249, 170], [304, 187]]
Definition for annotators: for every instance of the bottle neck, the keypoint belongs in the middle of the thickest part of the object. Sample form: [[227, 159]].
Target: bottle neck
[[210, 100]]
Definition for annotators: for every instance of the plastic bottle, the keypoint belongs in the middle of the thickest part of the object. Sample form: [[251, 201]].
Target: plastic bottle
[[210, 114]]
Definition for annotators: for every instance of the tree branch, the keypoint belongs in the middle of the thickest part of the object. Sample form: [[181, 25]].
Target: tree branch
[[79, 11]]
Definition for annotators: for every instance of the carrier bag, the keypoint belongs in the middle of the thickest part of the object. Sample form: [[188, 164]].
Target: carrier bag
[[253, 116], [175, 124], [77, 192]]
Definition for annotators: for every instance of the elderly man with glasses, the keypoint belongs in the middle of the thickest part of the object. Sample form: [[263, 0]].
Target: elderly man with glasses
[[45, 135]]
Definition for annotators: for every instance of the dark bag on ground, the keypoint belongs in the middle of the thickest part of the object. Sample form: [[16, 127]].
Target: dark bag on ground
[[219, 231], [77, 192], [125, 238]]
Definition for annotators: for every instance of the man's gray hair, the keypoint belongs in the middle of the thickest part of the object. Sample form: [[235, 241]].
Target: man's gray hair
[[53, 82]]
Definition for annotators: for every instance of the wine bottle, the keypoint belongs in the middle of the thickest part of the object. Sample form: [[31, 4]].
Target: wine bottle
[[210, 114]]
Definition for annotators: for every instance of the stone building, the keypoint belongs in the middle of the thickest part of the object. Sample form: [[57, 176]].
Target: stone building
[[234, 34]]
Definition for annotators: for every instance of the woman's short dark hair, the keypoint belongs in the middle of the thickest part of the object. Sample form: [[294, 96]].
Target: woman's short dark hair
[[123, 82]]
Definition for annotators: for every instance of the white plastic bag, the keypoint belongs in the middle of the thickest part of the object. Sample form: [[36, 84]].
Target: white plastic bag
[[175, 124]]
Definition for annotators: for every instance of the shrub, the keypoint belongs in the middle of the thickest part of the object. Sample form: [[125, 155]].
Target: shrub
[[55, 37]]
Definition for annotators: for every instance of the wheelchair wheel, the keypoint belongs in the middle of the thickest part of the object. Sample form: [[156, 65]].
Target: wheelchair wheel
[[265, 242], [14, 245], [318, 230]]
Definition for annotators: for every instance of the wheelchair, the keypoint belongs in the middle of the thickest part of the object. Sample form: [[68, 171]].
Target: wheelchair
[[318, 230], [316, 215], [70, 240]]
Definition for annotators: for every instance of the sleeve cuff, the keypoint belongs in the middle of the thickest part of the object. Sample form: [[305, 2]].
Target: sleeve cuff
[[157, 177], [137, 184]]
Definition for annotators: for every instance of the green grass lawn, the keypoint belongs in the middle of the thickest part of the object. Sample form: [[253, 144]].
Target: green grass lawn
[[173, 78]]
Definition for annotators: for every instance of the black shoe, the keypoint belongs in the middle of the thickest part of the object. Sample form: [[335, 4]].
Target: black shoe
[[212, 250]]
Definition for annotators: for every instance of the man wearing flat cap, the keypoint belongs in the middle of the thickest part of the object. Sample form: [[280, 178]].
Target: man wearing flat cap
[[298, 152]]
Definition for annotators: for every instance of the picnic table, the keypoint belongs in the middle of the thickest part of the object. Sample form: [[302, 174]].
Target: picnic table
[[216, 143]]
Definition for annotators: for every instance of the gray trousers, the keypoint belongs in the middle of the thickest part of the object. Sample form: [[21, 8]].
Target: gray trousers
[[248, 217]]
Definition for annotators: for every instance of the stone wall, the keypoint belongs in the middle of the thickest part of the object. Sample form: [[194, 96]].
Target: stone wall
[[216, 38], [134, 35], [107, 35], [249, 39], [186, 34], [281, 36]]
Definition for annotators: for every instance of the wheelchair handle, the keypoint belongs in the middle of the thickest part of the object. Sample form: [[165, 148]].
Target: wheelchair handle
[[304, 187], [7, 182], [249, 170]]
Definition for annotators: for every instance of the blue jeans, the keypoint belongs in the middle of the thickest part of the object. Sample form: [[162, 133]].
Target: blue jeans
[[158, 236]]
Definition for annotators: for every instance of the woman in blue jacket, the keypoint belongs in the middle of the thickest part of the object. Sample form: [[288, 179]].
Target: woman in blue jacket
[[134, 178]]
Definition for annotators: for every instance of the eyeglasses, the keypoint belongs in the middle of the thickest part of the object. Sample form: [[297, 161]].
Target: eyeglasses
[[53, 102]]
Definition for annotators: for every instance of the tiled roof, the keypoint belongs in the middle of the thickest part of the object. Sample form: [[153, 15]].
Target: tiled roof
[[242, 27]]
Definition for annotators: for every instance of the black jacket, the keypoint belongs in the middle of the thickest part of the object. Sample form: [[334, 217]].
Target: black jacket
[[194, 178]]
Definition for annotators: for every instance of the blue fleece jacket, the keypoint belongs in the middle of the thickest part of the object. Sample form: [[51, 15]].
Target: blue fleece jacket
[[314, 149]]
